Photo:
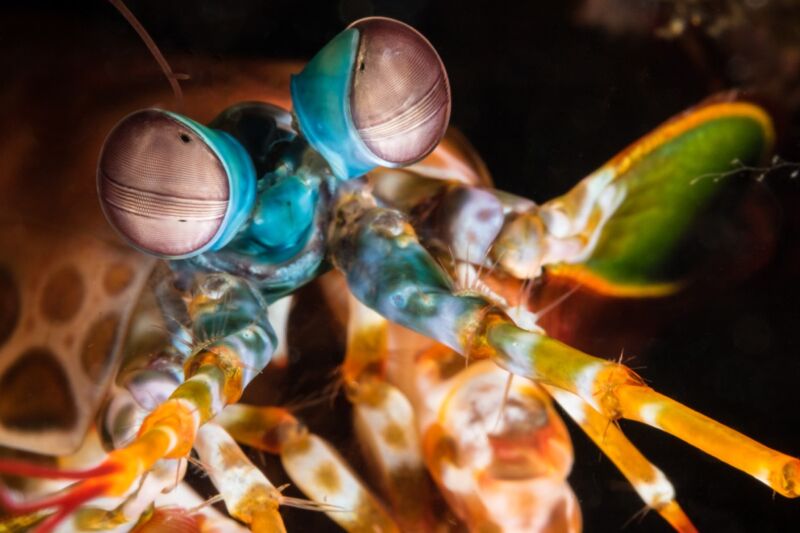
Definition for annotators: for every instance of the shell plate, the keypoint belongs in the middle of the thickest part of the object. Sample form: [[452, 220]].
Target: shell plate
[[61, 332]]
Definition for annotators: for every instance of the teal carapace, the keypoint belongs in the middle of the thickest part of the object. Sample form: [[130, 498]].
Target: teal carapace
[[172, 187], [321, 100], [241, 179], [375, 95], [284, 213], [177, 189]]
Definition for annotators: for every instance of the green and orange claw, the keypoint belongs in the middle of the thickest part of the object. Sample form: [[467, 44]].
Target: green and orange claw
[[630, 216]]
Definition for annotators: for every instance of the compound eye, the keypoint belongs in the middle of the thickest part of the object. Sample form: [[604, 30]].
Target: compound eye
[[161, 184], [400, 98]]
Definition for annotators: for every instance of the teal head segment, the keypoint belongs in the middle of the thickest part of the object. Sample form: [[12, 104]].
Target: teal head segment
[[376, 95], [174, 188]]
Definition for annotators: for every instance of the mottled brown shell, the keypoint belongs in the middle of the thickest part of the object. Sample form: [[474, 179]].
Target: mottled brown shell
[[161, 186], [62, 331], [64, 276], [400, 100]]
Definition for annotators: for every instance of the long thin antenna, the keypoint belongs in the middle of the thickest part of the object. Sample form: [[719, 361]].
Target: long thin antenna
[[151, 45]]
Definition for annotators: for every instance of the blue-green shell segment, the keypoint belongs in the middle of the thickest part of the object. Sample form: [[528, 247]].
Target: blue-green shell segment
[[321, 101], [234, 315], [388, 270], [284, 213]]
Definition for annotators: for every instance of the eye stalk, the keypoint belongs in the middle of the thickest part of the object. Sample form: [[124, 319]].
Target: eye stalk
[[376, 95], [172, 187]]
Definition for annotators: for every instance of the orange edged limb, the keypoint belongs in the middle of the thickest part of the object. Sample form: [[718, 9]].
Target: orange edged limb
[[389, 271], [114, 477], [312, 464], [647, 480], [168, 432], [63, 503], [496, 447], [615, 391], [385, 421]]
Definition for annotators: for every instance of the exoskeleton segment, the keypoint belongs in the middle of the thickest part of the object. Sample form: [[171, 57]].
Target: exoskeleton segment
[[452, 379]]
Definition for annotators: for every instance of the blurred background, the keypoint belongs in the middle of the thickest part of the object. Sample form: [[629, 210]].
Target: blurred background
[[546, 92]]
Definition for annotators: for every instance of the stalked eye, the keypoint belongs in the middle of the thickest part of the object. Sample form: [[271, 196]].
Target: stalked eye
[[376, 95], [400, 98], [173, 187]]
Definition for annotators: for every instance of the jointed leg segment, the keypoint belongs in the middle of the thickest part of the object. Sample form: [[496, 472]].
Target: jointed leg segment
[[230, 320], [649, 482], [311, 463], [617, 392], [391, 272], [385, 421]]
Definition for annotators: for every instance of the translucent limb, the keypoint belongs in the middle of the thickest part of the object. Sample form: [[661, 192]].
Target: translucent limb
[[184, 500], [388, 270], [279, 311], [248, 494], [311, 463], [235, 342], [384, 420], [163, 477], [498, 450], [617, 392], [649, 482]]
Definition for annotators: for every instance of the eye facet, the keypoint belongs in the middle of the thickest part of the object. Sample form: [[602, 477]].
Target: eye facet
[[400, 98], [376, 95], [164, 184]]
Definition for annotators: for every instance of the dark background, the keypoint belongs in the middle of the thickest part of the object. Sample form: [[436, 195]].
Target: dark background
[[545, 99]]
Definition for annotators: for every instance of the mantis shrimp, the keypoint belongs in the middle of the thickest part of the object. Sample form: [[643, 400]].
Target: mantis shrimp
[[261, 201]]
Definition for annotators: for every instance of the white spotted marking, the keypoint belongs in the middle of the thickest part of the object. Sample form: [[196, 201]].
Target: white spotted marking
[[763, 476], [657, 491], [215, 391], [171, 435], [458, 480], [302, 467], [395, 411], [227, 466], [649, 414], [585, 383], [573, 405]]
